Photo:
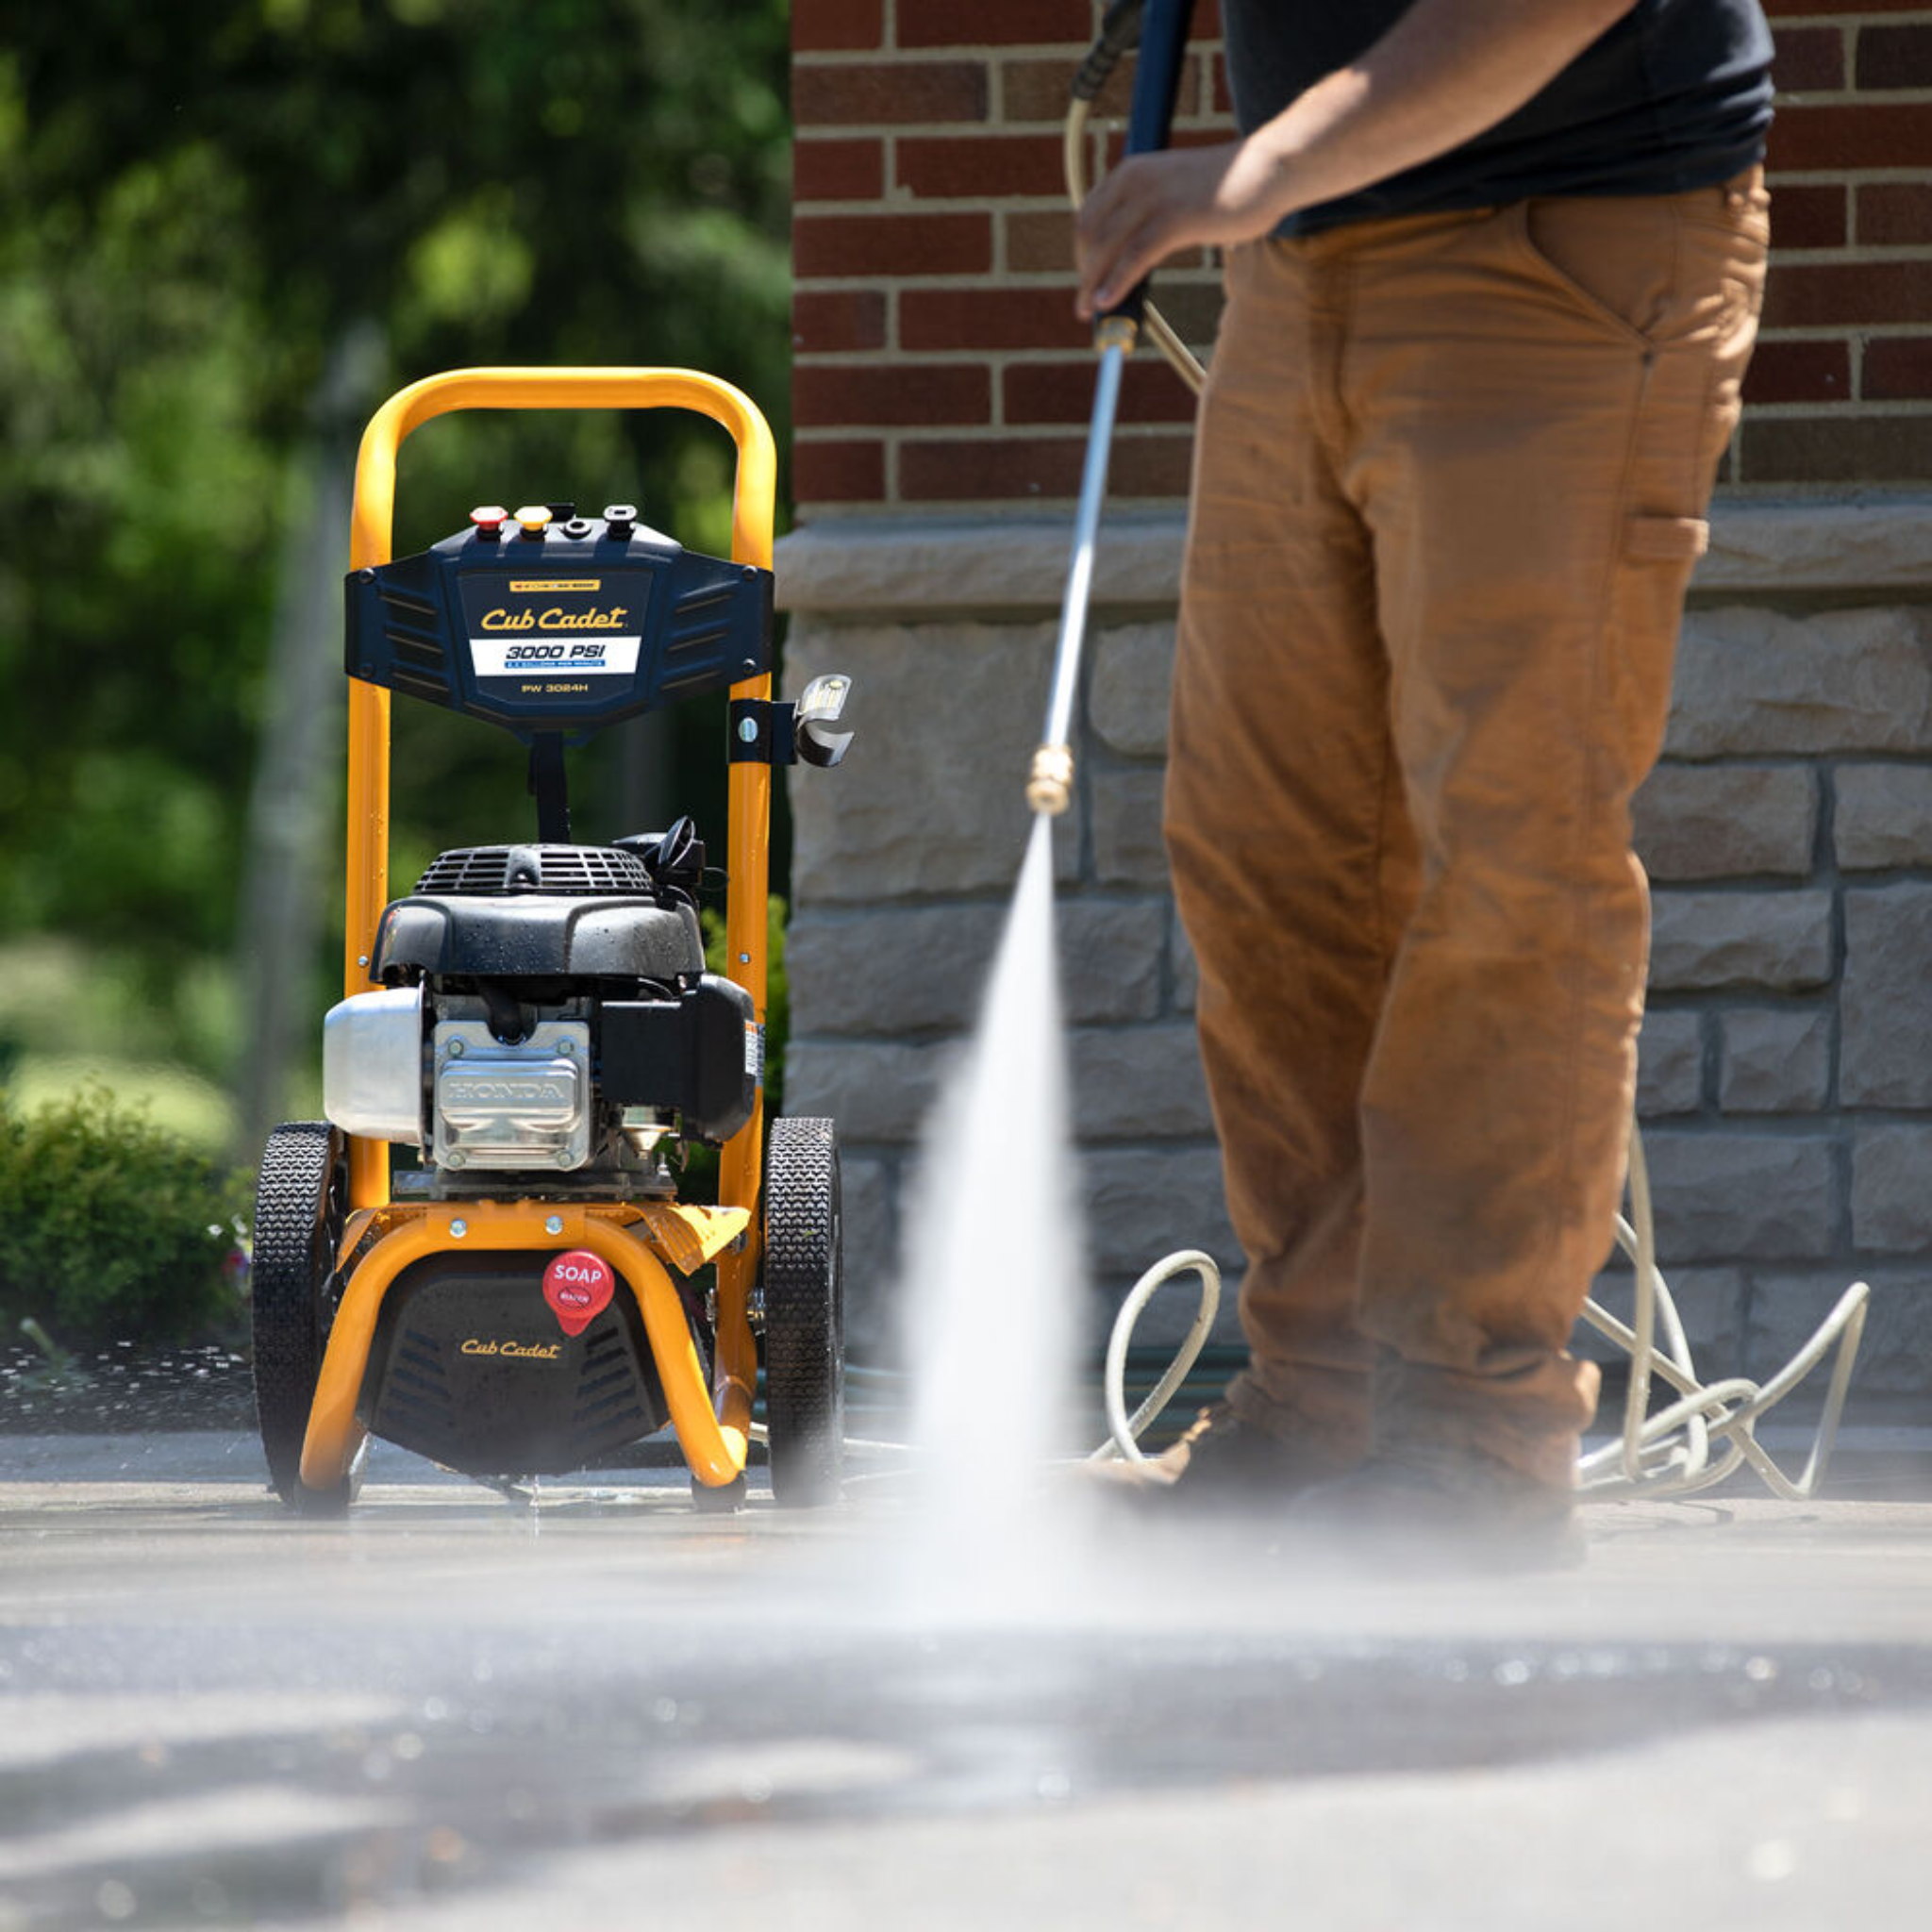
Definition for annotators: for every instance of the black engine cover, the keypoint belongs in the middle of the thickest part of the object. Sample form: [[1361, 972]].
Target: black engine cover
[[538, 937], [470, 1368]]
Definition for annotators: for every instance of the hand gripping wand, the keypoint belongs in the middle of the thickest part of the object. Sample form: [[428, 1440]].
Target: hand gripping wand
[[1157, 81]]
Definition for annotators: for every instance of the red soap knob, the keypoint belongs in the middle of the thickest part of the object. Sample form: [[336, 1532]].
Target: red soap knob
[[579, 1287]]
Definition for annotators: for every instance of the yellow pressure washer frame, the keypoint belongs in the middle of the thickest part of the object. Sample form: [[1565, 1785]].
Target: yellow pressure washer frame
[[638, 1241]]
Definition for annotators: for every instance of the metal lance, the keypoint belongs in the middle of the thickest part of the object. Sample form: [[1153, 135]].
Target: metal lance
[[1163, 32], [1049, 785]]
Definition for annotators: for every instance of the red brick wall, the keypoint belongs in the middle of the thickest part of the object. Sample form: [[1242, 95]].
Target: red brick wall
[[1842, 388], [938, 363]]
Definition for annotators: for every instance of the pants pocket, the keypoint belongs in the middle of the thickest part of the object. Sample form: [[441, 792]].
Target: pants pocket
[[1645, 267], [1599, 267]]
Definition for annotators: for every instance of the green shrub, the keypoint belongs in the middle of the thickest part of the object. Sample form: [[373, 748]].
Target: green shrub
[[111, 1228]]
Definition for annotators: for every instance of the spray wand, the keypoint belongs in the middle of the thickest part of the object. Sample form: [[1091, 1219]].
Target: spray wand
[[1163, 29]]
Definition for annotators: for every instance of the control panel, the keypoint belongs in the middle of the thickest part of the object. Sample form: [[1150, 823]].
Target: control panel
[[545, 621]]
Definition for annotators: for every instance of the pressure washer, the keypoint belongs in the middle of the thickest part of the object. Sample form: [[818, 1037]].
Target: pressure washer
[[535, 1021], [1709, 1430]]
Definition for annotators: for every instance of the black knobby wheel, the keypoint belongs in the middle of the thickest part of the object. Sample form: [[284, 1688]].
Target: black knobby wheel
[[805, 1313], [301, 1202]]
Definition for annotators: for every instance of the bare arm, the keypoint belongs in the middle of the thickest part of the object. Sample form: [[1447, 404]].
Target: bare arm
[[1444, 73]]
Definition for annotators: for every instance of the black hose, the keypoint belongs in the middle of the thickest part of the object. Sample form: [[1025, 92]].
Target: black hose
[[1120, 28]]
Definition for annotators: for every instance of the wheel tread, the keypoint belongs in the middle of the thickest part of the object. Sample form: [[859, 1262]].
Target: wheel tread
[[288, 1303], [805, 1397]]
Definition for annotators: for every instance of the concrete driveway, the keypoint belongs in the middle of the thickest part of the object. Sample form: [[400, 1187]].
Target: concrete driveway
[[448, 1711]]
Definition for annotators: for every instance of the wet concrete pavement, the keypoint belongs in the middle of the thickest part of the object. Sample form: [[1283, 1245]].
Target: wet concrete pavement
[[447, 1712]]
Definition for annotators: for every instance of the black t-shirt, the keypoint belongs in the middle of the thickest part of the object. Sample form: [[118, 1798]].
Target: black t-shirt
[[1677, 95]]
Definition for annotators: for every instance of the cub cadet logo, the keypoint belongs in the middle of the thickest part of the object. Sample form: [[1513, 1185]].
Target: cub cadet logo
[[520, 1351], [555, 619]]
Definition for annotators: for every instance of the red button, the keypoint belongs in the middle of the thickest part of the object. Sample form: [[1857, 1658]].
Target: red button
[[488, 518], [579, 1287]]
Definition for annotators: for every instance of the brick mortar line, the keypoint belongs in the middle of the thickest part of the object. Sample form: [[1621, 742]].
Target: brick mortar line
[[906, 202], [1028, 280], [1056, 355], [892, 55], [896, 435], [1819, 332], [1798, 101], [991, 128], [1851, 255], [1183, 124], [1839, 177], [1907, 408], [950, 358], [1836, 254], [999, 360], [1052, 354]]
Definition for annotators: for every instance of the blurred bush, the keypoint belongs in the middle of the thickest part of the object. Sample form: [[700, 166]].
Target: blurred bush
[[113, 1228]]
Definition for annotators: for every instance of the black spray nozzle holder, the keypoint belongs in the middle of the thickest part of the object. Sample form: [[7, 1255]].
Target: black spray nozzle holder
[[1164, 25]]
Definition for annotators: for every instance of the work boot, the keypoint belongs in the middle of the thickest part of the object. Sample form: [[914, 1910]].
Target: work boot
[[1440, 1510], [1223, 1465]]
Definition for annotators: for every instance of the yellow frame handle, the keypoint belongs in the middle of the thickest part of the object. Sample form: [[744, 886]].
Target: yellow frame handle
[[748, 840]]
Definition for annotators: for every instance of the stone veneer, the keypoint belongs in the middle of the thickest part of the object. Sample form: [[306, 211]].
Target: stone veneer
[[1787, 1082]]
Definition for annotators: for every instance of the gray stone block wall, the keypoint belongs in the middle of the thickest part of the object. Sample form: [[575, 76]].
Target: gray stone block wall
[[1787, 1063]]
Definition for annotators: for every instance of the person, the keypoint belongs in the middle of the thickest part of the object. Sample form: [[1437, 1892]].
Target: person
[[1493, 268]]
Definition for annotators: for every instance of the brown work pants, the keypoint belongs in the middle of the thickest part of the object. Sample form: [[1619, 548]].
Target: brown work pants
[[1449, 487]]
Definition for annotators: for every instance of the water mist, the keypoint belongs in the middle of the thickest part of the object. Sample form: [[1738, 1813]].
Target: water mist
[[993, 1279]]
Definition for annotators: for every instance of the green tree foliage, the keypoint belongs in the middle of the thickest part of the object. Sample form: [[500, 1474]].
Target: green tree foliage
[[195, 206]]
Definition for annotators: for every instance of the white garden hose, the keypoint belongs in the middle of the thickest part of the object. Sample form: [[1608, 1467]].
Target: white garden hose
[[1668, 1454]]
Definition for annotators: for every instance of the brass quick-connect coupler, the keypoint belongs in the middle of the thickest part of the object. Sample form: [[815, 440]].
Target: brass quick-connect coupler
[[1116, 332], [1050, 785]]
